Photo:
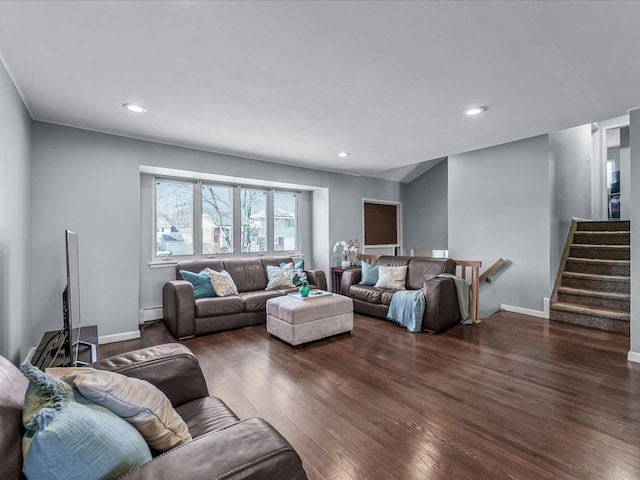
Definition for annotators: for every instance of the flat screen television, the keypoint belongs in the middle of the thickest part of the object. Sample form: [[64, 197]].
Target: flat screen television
[[71, 305]]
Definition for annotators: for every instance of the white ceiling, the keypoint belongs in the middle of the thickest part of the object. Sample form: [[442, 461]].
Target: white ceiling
[[297, 82]]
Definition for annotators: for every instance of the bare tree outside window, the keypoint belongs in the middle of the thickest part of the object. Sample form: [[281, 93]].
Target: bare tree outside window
[[253, 220], [217, 219], [285, 221], [174, 218]]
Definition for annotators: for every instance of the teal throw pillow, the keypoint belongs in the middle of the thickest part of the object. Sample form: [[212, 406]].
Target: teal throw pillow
[[69, 439], [369, 274], [202, 287], [297, 281]]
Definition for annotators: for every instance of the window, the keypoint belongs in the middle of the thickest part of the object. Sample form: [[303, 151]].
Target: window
[[285, 221], [174, 218], [217, 219], [196, 218], [253, 222], [381, 224]]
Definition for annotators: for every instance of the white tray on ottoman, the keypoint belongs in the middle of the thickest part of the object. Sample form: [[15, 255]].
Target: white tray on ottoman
[[297, 321]]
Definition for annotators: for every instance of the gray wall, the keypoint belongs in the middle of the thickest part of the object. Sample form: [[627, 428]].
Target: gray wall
[[425, 210], [90, 182], [499, 207], [570, 185], [634, 141], [15, 221]]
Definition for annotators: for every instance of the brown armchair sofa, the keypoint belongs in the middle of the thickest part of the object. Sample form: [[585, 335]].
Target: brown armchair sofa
[[186, 316], [222, 447], [441, 303]]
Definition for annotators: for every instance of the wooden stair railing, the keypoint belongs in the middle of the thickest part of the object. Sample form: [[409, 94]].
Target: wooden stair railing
[[486, 276], [474, 265]]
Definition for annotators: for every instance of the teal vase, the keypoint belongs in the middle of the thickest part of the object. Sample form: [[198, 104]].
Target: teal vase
[[304, 289]]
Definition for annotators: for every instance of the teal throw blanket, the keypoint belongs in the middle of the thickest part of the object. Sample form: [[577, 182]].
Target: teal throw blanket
[[407, 308], [464, 298]]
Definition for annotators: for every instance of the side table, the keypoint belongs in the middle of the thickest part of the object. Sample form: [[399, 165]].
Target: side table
[[336, 278]]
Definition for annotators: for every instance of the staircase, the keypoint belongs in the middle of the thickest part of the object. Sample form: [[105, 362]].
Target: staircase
[[592, 286]]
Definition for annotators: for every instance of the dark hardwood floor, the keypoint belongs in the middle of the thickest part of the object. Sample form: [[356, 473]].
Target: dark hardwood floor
[[514, 397]]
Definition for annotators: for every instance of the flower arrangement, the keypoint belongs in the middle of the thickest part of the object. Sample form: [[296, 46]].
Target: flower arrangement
[[349, 249]]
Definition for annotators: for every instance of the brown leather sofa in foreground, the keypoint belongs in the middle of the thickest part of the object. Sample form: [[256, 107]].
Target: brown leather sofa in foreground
[[441, 303], [223, 447]]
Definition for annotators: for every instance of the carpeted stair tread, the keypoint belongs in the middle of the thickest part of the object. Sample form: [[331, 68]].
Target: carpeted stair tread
[[601, 237], [592, 312], [622, 225], [625, 297], [593, 276], [604, 261], [613, 252]]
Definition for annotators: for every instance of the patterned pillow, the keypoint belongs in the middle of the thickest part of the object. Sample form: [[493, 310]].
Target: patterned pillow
[[280, 277], [299, 266], [223, 284], [67, 439], [138, 402], [392, 278]]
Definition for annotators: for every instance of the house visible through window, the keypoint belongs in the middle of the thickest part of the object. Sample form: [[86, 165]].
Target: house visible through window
[[199, 218]]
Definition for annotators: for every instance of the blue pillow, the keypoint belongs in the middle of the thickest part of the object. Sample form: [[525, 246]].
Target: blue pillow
[[369, 274], [67, 439], [202, 287], [297, 266]]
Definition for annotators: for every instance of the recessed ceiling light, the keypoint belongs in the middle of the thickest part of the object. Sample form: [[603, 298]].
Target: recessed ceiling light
[[344, 154], [135, 108], [476, 110]]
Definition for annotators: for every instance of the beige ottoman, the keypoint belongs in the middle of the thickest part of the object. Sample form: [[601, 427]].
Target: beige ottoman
[[299, 321]]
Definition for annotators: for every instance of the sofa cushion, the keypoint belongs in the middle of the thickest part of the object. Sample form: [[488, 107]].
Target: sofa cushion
[[386, 296], [196, 266], [391, 278], [205, 415], [423, 269], [256, 301], [214, 307], [202, 287], [280, 277], [366, 293], [13, 385], [247, 273], [138, 402], [223, 284], [297, 267]]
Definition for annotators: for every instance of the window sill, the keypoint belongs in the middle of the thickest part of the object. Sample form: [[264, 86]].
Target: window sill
[[162, 263], [174, 261]]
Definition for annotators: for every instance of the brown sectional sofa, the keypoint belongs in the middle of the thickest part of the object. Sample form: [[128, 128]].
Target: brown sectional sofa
[[223, 446], [186, 316], [441, 303]]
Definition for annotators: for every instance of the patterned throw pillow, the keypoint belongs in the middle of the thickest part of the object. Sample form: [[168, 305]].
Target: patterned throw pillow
[[392, 278], [202, 287], [138, 402], [223, 284], [280, 277], [68, 439], [299, 266]]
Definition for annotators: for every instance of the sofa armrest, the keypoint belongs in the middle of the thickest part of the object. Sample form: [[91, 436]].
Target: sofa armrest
[[170, 367], [179, 308], [441, 304], [251, 449], [351, 276], [317, 278]]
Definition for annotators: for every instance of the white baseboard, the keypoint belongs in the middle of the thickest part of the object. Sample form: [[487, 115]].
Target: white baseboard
[[118, 337], [633, 356], [524, 311], [149, 314]]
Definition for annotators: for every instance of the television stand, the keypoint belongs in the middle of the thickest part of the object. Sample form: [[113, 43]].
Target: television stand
[[50, 351]]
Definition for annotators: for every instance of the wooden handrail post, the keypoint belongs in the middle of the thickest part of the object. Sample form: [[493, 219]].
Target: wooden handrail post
[[474, 265]]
